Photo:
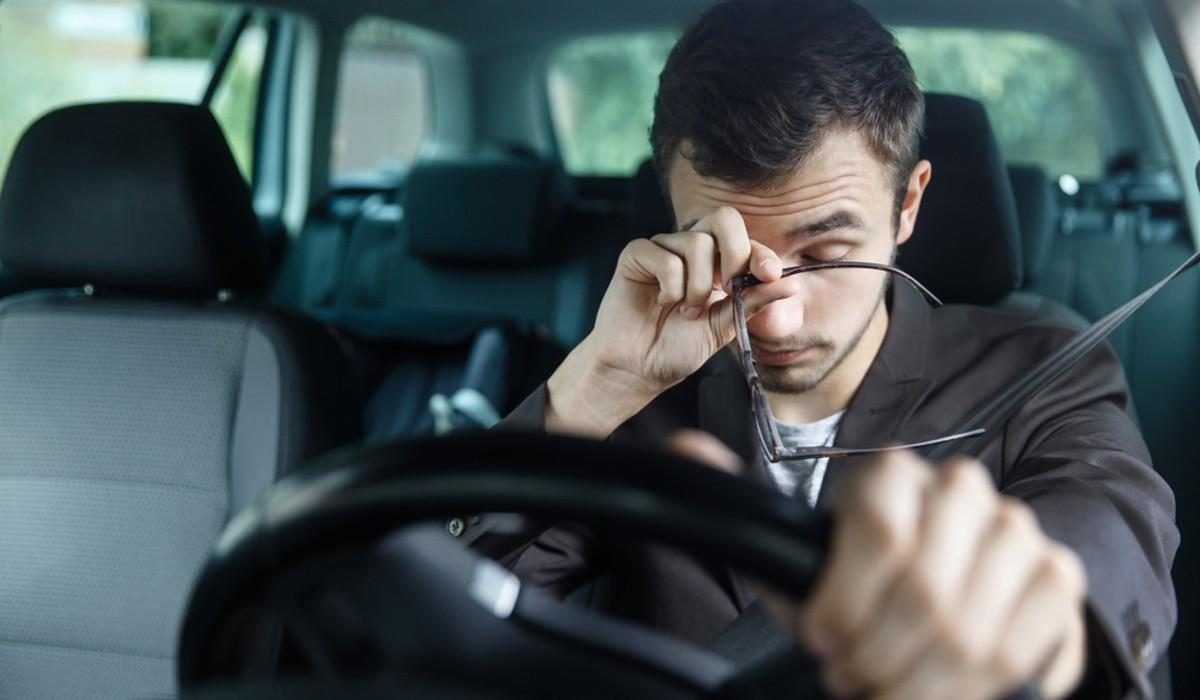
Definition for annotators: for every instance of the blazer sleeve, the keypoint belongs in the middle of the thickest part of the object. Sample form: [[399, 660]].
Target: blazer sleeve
[[1083, 467], [554, 558]]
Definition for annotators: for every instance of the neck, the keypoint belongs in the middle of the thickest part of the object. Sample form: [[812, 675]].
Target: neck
[[834, 392]]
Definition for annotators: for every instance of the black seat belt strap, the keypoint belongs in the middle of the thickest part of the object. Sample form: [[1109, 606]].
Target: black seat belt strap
[[992, 416]]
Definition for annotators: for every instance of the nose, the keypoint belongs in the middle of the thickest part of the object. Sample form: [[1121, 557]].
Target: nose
[[781, 318]]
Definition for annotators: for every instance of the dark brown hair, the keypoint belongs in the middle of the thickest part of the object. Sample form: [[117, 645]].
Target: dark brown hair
[[753, 85]]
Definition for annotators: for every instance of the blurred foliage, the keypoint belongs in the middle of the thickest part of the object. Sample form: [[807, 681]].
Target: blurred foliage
[[1041, 100], [184, 29], [602, 99], [164, 52], [235, 104]]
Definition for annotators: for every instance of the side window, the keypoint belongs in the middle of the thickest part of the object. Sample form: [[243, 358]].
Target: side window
[[602, 100], [382, 108], [58, 52], [235, 103], [1040, 97]]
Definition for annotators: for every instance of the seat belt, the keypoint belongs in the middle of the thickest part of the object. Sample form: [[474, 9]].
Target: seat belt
[[755, 640], [994, 413], [482, 387]]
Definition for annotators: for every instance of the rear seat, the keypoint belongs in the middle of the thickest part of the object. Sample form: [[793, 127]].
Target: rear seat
[[479, 267], [1106, 245]]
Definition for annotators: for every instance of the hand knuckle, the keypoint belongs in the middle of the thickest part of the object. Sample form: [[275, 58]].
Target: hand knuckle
[[700, 239], [881, 535], [921, 591], [963, 473], [888, 465], [961, 648], [726, 215], [1066, 570], [634, 248], [673, 268], [1007, 666], [1016, 517]]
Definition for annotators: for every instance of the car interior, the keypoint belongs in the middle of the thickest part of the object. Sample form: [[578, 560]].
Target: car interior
[[293, 240]]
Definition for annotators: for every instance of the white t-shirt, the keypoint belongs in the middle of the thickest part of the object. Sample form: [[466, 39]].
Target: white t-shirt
[[804, 475]]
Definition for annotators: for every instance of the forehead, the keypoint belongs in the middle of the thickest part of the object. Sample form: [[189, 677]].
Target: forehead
[[840, 172]]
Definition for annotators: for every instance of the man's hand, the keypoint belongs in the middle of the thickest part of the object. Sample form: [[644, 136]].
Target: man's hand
[[665, 313], [936, 587], [939, 587]]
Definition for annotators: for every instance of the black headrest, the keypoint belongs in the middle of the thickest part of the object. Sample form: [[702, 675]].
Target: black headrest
[[1037, 213], [485, 210], [140, 196], [966, 246], [649, 213]]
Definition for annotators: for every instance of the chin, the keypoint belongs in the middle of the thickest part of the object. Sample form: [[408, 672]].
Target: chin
[[795, 379]]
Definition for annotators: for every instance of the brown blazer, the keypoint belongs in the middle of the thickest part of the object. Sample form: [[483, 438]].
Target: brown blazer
[[1071, 452]]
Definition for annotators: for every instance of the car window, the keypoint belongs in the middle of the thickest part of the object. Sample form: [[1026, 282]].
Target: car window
[[58, 52], [1042, 102], [602, 99], [1039, 95], [236, 99], [381, 113]]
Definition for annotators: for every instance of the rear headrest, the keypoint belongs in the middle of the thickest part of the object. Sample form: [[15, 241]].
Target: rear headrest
[[1037, 212], [137, 196], [966, 246], [489, 210]]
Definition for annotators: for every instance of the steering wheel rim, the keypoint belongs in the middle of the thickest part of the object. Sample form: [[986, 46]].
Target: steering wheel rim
[[357, 496]]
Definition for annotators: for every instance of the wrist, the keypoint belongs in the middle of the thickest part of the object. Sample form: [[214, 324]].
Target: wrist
[[587, 397]]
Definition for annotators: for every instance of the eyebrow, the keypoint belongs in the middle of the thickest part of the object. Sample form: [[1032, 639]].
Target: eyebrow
[[833, 222]]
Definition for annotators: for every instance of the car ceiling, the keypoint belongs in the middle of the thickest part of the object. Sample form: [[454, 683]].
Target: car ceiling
[[488, 24]]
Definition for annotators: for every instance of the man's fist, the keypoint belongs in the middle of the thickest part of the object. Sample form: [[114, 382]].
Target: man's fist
[[937, 586]]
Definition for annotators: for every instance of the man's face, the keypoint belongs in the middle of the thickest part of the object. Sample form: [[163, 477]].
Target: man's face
[[838, 205]]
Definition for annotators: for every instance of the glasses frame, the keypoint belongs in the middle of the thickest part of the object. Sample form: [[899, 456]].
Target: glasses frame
[[766, 425]]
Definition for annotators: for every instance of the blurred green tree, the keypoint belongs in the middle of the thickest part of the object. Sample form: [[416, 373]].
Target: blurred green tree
[[1038, 92], [184, 29]]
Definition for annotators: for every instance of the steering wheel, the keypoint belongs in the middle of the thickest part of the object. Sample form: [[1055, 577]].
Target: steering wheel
[[443, 602]]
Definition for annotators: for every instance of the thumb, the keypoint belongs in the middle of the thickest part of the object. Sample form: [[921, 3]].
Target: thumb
[[704, 448], [722, 315]]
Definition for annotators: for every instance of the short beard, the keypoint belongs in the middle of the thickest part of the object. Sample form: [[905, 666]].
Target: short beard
[[781, 380]]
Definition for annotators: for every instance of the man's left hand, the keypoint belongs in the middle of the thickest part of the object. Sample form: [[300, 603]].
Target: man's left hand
[[937, 586]]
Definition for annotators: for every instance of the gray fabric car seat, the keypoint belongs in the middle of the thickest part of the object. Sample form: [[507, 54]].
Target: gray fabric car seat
[[144, 403]]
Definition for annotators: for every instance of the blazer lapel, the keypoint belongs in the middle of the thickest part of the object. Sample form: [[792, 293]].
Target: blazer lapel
[[725, 413], [889, 394], [892, 389]]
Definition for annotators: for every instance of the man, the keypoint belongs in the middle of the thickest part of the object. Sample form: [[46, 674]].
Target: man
[[786, 134]]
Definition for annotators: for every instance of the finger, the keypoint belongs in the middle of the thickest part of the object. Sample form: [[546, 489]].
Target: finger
[[644, 262], [936, 677], [875, 529], [728, 229], [1044, 632], [764, 263], [957, 513], [698, 251], [1045, 635], [1006, 562], [704, 448], [723, 316]]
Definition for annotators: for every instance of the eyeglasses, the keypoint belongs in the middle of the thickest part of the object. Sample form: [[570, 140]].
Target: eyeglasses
[[764, 421]]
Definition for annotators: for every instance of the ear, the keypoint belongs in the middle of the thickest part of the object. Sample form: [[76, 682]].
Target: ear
[[918, 180]]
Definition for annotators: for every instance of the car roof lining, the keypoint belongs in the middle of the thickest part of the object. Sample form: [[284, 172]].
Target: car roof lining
[[486, 25]]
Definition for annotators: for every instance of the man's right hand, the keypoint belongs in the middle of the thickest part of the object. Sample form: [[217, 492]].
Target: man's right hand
[[665, 313]]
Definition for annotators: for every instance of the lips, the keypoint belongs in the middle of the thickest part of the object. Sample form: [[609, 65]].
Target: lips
[[781, 357]]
